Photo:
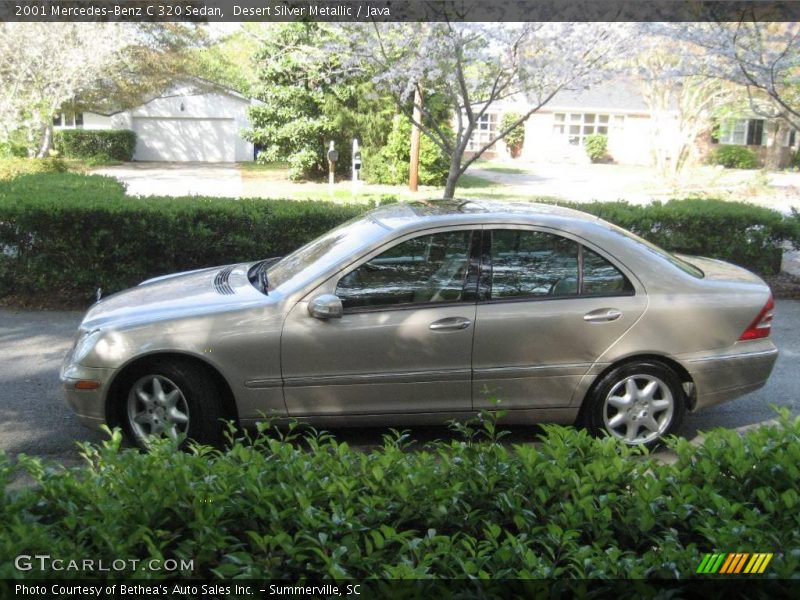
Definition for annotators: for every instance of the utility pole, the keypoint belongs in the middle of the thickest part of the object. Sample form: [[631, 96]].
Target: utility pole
[[413, 168]]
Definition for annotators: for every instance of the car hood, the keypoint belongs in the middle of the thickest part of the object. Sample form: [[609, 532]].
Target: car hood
[[175, 296]]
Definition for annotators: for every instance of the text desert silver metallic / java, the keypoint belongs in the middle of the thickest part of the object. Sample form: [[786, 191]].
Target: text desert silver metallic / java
[[421, 313]]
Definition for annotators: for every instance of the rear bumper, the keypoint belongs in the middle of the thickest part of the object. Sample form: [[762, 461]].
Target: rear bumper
[[741, 369]]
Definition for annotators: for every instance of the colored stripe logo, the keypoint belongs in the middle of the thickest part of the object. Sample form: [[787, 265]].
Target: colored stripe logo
[[734, 563]]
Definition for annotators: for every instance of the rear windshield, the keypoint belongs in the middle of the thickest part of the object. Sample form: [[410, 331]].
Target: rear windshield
[[683, 265]]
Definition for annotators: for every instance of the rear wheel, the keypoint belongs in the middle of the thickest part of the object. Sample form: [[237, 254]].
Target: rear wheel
[[171, 399], [637, 403]]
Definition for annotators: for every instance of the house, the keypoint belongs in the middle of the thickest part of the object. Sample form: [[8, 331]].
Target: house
[[186, 124], [557, 132]]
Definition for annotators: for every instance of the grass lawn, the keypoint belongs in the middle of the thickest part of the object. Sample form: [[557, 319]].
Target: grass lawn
[[271, 181]]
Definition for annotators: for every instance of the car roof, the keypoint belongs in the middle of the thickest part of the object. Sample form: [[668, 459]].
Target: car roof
[[403, 215]]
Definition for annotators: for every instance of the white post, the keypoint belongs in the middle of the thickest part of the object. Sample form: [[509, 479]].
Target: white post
[[356, 164], [332, 156]]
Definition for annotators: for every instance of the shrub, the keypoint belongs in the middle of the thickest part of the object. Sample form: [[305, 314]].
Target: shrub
[[117, 144], [515, 138], [596, 147], [14, 167], [744, 234], [734, 157], [310, 508], [390, 164], [65, 235]]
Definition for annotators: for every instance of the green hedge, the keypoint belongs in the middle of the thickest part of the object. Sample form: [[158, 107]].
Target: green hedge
[[572, 506], [744, 234], [67, 235], [116, 144], [734, 157], [64, 235]]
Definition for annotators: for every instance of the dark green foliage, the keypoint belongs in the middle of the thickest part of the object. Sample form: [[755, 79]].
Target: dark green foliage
[[115, 144], [596, 146], [744, 234], [515, 138], [733, 157], [286, 508], [390, 164], [65, 235], [304, 107]]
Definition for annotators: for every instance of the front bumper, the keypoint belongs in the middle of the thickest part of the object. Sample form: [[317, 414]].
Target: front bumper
[[89, 405], [728, 374]]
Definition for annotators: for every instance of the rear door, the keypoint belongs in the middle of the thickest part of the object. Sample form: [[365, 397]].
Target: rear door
[[549, 307]]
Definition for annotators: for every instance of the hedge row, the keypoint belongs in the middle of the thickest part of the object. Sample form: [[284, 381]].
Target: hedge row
[[116, 144], [573, 506], [65, 235], [744, 234]]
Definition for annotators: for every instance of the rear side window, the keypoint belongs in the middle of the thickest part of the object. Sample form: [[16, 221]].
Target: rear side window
[[531, 264], [601, 278]]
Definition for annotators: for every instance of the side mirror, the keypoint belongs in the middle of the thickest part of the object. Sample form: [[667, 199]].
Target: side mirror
[[326, 306]]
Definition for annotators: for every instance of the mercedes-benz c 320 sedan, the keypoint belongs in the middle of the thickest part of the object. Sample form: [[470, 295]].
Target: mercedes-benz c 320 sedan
[[422, 313]]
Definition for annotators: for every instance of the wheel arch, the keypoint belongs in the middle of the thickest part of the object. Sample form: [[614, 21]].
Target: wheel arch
[[686, 379], [112, 406]]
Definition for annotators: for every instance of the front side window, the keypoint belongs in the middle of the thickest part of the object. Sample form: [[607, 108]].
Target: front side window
[[426, 269]]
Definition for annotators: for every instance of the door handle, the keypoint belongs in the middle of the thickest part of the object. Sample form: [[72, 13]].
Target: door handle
[[602, 315], [450, 324]]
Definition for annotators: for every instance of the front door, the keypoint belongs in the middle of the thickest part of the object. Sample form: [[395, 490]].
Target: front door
[[404, 342], [553, 307]]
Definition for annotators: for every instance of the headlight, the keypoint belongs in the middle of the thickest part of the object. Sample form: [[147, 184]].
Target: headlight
[[85, 344]]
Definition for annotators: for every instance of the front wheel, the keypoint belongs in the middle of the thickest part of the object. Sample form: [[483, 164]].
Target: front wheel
[[170, 399], [637, 403]]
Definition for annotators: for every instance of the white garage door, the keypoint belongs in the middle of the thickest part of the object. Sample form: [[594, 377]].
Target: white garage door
[[180, 140]]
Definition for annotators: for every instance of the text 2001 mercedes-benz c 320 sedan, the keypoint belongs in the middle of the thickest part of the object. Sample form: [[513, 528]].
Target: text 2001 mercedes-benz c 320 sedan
[[422, 313]]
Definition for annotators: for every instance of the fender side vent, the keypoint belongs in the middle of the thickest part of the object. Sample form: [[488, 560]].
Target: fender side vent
[[221, 284]]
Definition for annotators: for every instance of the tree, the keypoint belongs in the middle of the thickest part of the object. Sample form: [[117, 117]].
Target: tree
[[43, 66], [764, 57], [672, 79], [303, 106], [476, 65]]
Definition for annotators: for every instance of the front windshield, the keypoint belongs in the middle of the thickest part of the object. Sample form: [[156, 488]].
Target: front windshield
[[318, 256]]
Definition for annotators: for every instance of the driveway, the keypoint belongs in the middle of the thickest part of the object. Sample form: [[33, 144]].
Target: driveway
[[34, 418], [177, 179], [640, 185]]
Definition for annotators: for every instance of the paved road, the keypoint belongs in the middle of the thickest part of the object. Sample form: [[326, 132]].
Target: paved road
[[35, 420]]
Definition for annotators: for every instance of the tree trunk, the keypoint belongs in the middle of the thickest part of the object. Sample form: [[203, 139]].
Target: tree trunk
[[775, 133], [47, 142], [453, 174]]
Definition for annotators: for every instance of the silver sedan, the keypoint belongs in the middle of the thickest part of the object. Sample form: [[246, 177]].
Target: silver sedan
[[422, 313]]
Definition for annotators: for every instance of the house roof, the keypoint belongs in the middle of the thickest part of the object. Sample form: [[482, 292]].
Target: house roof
[[612, 94]]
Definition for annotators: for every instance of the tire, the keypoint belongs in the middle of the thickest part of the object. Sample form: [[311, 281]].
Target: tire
[[170, 398], [638, 403]]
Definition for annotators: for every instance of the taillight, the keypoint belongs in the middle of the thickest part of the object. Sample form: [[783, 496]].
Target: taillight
[[761, 325]]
